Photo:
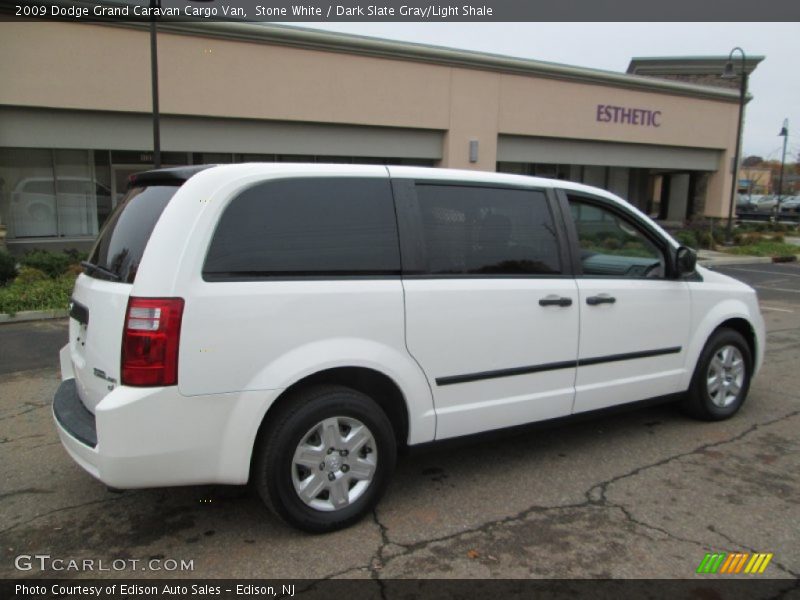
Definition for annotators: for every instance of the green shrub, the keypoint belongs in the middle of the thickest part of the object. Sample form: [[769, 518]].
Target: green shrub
[[74, 270], [45, 294], [704, 239], [686, 238], [765, 248], [612, 243], [76, 256], [778, 237], [751, 239], [54, 264], [28, 275], [8, 267]]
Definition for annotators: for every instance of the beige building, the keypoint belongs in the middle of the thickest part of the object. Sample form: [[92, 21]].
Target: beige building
[[75, 117], [755, 180]]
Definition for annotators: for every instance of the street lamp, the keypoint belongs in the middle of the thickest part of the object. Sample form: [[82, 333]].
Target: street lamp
[[785, 134], [729, 73], [154, 86]]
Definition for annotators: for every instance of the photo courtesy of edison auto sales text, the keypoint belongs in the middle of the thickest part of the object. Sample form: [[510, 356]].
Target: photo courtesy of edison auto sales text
[[169, 589]]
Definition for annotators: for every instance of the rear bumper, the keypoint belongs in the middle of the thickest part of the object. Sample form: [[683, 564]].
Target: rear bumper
[[72, 415], [155, 437]]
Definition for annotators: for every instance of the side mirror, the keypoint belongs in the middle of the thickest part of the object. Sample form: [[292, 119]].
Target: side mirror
[[685, 261]]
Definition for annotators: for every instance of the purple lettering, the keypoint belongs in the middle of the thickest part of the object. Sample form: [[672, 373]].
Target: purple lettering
[[607, 113]]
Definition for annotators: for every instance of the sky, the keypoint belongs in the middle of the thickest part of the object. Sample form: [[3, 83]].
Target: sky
[[774, 85]]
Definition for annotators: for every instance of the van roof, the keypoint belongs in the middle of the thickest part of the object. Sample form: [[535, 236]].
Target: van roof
[[182, 174]]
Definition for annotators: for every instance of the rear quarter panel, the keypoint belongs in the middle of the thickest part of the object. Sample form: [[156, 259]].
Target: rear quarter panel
[[247, 336]]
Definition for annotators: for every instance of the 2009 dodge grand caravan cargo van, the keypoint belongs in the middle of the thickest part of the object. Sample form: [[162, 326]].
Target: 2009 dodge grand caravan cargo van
[[292, 325]]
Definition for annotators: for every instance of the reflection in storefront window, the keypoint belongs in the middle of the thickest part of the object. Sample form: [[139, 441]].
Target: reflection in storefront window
[[51, 193]]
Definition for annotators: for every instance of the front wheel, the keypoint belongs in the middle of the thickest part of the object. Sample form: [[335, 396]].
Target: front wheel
[[325, 458], [722, 377]]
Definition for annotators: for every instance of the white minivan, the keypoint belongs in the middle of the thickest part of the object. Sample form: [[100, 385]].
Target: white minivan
[[293, 326]]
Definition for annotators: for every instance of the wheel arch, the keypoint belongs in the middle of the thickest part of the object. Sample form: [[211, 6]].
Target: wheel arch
[[377, 385], [732, 314], [745, 328]]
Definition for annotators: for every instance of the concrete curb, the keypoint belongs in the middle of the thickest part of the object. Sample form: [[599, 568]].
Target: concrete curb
[[734, 260], [721, 261], [25, 316]]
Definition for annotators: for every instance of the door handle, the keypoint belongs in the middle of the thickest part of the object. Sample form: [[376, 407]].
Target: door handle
[[554, 300], [600, 299]]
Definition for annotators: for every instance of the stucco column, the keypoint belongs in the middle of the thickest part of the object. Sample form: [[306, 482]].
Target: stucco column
[[719, 188], [678, 197], [474, 101]]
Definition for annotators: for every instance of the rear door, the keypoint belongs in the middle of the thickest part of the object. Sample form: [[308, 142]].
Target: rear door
[[100, 298], [491, 305], [634, 319]]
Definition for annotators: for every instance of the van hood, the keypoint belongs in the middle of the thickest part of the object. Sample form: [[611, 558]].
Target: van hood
[[712, 276]]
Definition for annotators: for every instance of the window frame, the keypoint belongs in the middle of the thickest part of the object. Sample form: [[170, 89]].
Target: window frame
[[413, 254], [647, 230]]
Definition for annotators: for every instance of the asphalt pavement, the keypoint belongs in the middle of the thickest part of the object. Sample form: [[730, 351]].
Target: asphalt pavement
[[774, 282], [646, 493]]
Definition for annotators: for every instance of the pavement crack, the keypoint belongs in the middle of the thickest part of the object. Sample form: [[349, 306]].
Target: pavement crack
[[31, 407], [597, 492], [595, 496], [378, 560], [23, 492], [6, 440], [739, 546]]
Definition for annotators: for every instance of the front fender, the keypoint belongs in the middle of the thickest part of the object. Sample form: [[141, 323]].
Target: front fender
[[711, 319]]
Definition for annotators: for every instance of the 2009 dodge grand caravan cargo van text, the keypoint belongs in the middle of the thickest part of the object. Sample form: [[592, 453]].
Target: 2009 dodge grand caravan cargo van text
[[292, 325]]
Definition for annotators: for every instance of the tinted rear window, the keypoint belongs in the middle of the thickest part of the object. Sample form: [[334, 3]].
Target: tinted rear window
[[487, 231], [315, 226], [121, 243]]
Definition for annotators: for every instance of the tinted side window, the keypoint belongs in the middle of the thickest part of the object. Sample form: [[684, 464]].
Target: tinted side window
[[314, 226], [611, 246], [487, 231]]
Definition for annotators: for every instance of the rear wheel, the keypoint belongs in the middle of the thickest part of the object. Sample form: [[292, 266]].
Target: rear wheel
[[722, 377], [325, 458]]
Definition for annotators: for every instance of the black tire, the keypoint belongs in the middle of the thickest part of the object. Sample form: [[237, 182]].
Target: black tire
[[273, 456], [698, 403]]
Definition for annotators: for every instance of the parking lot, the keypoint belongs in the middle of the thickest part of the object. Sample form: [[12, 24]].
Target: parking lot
[[644, 493]]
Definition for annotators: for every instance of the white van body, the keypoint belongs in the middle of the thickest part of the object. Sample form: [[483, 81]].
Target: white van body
[[467, 354]]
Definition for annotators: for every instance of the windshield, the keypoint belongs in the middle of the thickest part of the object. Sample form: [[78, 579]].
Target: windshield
[[121, 243]]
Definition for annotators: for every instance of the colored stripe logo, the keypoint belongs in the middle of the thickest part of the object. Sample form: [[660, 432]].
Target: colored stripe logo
[[734, 562]]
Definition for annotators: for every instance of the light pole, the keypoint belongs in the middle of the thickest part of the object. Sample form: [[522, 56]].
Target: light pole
[[785, 133], [154, 86], [730, 73]]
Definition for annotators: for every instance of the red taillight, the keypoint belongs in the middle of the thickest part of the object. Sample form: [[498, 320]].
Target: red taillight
[[150, 341]]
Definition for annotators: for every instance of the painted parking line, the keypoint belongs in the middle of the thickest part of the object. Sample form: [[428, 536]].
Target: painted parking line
[[786, 310], [774, 289]]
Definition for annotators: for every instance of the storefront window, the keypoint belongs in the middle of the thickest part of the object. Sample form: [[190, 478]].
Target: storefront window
[[27, 192], [52, 193], [619, 181], [78, 194]]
